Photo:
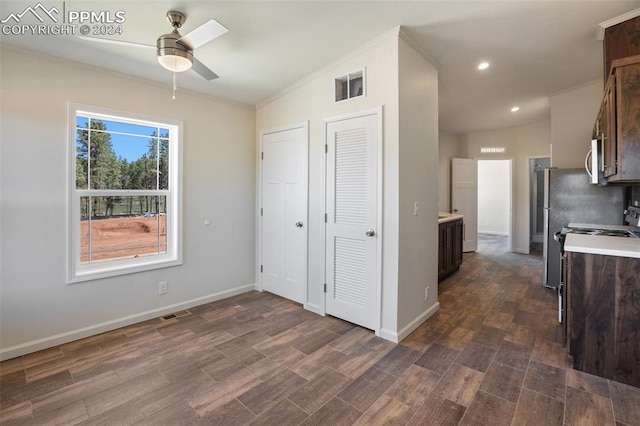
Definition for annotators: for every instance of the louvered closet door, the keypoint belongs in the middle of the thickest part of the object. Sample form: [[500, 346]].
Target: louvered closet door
[[351, 257]]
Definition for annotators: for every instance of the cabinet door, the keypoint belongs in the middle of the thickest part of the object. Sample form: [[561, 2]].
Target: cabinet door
[[448, 263], [591, 304], [602, 292], [442, 241], [458, 233], [608, 129], [627, 101]]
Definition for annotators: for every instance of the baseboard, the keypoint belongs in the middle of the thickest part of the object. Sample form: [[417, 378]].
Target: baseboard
[[409, 328], [538, 238], [389, 335], [316, 309], [70, 336]]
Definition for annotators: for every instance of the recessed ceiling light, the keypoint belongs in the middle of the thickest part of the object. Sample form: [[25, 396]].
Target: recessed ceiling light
[[483, 65], [515, 109]]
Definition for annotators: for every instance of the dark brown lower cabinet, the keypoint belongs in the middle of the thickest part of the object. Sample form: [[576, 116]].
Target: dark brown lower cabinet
[[603, 303], [450, 236]]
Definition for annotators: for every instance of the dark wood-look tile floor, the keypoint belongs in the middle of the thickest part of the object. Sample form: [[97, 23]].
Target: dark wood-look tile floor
[[492, 355]]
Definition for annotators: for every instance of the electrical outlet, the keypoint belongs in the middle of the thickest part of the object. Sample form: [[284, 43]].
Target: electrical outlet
[[163, 287], [426, 294]]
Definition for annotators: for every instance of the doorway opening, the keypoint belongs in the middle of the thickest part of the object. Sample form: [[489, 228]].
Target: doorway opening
[[495, 224], [536, 201]]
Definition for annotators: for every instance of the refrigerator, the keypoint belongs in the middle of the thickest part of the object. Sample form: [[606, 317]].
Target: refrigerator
[[570, 197]]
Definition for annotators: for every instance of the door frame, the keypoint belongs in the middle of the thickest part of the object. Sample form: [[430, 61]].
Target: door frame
[[378, 112], [258, 285]]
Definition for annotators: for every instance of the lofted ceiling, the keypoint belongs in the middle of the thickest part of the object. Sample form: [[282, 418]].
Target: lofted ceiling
[[535, 48]]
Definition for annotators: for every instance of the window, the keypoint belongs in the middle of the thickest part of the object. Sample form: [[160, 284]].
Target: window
[[492, 149], [349, 86], [124, 193]]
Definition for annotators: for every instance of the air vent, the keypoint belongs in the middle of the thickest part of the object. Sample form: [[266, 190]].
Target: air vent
[[350, 86], [178, 314]]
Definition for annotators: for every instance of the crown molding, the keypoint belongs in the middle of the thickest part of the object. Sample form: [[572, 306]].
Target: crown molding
[[615, 21], [404, 35]]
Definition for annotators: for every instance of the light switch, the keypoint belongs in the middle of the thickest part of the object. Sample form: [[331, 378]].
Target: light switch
[[416, 207]]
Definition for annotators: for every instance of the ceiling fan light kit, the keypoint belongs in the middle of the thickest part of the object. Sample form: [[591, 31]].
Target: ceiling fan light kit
[[173, 55]]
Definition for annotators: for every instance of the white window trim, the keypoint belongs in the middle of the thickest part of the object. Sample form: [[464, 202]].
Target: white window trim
[[79, 273], [348, 75]]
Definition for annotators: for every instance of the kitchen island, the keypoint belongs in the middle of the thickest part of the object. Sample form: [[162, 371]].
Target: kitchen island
[[603, 305]]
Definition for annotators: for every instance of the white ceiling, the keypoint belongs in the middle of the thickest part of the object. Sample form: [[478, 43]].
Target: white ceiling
[[536, 48]]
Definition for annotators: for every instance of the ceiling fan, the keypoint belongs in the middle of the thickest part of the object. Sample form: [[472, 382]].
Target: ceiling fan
[[174, 51]]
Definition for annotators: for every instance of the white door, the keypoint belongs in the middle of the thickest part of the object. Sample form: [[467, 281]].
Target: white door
[[352, 216], [284, 213], [464, 198]]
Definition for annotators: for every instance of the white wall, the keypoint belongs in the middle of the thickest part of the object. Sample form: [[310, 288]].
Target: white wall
[[418, 248], [521, 143], [573, 115], [494, 196], [312, 100], [38, 308], [448, 148]]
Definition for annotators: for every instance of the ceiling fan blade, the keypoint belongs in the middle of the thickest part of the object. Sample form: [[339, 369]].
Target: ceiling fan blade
[[203, 34], [118, 42], [202, 69]]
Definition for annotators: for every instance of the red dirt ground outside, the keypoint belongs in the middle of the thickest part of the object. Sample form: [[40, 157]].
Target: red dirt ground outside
[[123, 237]]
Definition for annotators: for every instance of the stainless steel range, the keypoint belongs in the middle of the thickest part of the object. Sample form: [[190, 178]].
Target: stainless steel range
[[632, 217], [597, 230]]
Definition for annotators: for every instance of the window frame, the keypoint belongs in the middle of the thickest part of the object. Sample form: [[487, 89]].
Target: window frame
[[78, 272], [348, 79]]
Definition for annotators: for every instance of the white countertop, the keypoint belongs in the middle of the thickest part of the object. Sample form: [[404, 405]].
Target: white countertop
[[602, 244], [448, 217]]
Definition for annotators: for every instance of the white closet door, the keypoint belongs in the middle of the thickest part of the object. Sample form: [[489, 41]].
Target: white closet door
[[284, 220], [351, 234]]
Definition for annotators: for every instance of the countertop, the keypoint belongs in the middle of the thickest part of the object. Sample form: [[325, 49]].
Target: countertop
[[602, 244], [448, 217]]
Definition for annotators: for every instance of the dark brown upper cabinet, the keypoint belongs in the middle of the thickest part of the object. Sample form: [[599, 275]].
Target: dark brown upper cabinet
[[620, 41], [618, 123]]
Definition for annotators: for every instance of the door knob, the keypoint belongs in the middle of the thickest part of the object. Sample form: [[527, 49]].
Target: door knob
[[370, 233], [299, 224]]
